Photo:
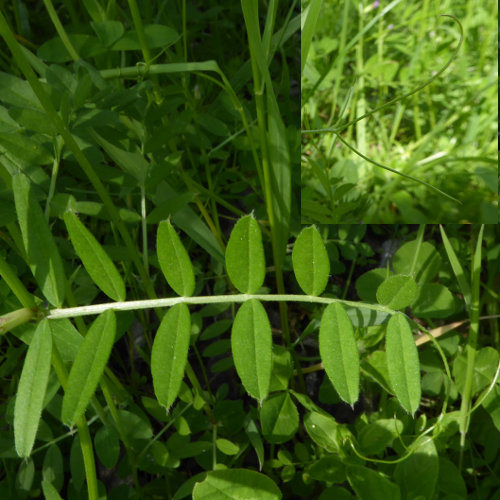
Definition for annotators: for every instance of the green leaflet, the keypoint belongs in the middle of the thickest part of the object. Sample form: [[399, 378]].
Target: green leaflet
[[402, 363], [245, 261], [339, 353], [323, 430], [95, 260], [242, 484], [279, 418], [251, 344], [31, 389], [397, 292], [88, 367], [174, 260], [169, 353], [370, 484], [43, 256], [311, 264], [417, 476]]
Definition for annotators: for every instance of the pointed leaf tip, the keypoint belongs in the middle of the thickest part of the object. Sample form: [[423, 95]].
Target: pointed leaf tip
[[245, 261], [174, 260], [311, 264]]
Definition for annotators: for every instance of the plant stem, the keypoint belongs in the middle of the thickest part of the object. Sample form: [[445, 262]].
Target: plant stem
[[72, 312]]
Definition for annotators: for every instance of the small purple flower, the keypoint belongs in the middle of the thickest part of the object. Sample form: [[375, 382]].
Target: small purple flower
[[390, 27], [375, 4]]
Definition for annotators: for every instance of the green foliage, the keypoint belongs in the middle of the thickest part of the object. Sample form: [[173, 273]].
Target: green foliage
[[251, 345], [381, 145], [174, 260], [88, 367], [169, 354], [245, 262], [338, 350], [248, 353], [31, 389]]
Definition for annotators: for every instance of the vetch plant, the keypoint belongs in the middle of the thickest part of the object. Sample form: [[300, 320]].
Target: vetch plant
[[168, 327], [251, 345]]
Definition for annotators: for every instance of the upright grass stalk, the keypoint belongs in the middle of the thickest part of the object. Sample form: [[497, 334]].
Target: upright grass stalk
[[470, 291], [60, 30], [310, 18], [471, 347]]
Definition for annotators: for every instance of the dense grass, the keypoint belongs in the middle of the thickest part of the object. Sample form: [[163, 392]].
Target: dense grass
[[365, 54]]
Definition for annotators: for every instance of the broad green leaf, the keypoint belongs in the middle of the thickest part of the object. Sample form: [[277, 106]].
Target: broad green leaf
[[403, 364], [370, 484], [174, 260], [227, 447], [43, 256], [323, 430], [108, 31], [50, 492], [236, 484], [245, 261], [311, 265], [88, 367], [397, 292], [330, 469], [368, 283], [339, 352], [95, 260], [433, 301], [375, 437], [53, 466], [451, 482], [279, 418], [157, 35], [427, 265], [251, 344], [31, 389], [107, 446], [169, 353], [417, 475]]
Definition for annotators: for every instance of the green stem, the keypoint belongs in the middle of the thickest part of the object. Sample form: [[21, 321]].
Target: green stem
[[72, 312], [60, 30], [471, 347], [83, 431], [139, 28]]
